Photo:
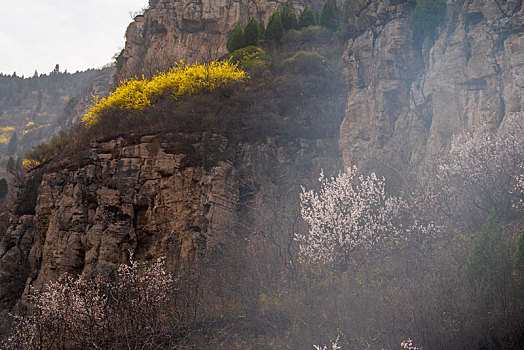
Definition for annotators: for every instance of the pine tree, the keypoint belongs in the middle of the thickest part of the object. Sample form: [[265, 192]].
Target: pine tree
[[12, 145], [236, 39], [274, 29], [330, 15], [10, 164], [251, 34], [287, 16], [261, 30], [306, 18], [3, 188]]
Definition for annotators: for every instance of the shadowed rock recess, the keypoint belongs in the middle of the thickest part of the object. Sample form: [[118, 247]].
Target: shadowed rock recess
[[151, 196]]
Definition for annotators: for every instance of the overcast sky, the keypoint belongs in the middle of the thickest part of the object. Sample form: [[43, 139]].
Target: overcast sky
[[76, 34]]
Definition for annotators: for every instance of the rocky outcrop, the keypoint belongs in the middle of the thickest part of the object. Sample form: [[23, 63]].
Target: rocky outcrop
[[407, 102], [151, 197], [171, 30], [101, 84]]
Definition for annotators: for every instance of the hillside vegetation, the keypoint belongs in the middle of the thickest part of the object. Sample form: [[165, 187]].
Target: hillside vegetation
[[434, 260], [31, 107], [295, 90]]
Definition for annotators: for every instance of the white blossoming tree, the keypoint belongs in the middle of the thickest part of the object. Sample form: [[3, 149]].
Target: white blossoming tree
[[349, 211], [132, 311], [483, 171]]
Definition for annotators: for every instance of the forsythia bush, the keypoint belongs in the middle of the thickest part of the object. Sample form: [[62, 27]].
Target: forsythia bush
[[181, 80]]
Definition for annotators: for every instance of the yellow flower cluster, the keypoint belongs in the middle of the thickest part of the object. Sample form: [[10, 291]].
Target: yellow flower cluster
[[5, 134], [179, 81], [30, 163]]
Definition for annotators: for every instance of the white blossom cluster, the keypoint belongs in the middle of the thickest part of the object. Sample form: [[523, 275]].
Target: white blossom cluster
[[348, 211], [484, 166], [334, 345], [519, 187], [408, 344], [88, 312]]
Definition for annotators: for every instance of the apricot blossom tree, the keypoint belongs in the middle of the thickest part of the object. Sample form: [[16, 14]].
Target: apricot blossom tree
[[347, 212]]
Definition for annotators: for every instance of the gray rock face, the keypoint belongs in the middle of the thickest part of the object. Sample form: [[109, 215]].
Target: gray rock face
[[406, 103], [171, 31]]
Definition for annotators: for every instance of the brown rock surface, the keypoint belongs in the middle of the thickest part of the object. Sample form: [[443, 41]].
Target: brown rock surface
[[142, 197]]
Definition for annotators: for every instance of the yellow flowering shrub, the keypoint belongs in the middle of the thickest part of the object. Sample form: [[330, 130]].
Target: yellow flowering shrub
[[5, 134], [179, 81], [7, 128], [30, 163]]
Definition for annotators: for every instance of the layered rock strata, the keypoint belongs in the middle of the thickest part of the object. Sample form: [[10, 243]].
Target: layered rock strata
[[152, 197]]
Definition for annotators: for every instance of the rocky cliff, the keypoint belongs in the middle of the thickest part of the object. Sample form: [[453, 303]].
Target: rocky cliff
[[170, 31], [154, 195], [151, 196], [406, 102]]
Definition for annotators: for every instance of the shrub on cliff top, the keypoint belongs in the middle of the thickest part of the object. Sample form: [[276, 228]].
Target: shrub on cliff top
[[236, 38], [306, 63], [181, 80]]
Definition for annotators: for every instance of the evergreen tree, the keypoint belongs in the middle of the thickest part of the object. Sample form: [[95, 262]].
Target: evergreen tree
[[3, 188], [287, 16], [251, 34], [56, 70], [274, 29], [12, 145], [10, 164], [330, 15], [261, 30], [236, 39], [306, 18]]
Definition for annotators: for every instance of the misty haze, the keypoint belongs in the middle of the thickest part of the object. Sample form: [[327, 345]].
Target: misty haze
[[271, 175]]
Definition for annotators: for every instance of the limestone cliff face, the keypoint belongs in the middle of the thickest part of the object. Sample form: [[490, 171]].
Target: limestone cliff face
[[171, 30], [152, 197], [405, 103]]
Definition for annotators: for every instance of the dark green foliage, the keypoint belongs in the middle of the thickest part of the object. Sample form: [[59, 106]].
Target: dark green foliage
[[261, 30], [287, 16], [329, 17], [488, 268], [491, 296], [306, 63], [3, 188], [274, 29], [10, 164], [484, 258], [306, 18], [236, 39], [426, 18], [251, 33], [12, 145]]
